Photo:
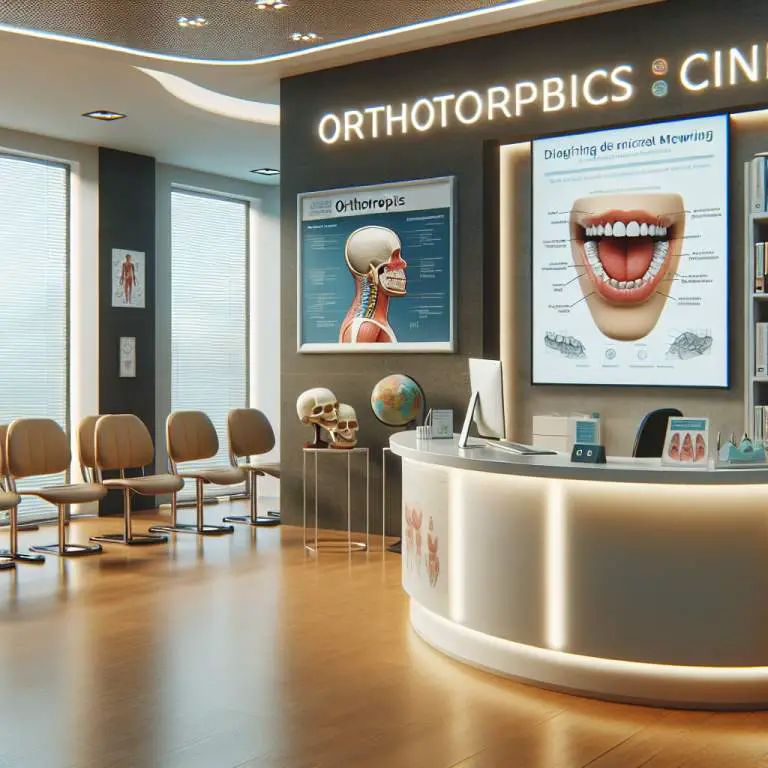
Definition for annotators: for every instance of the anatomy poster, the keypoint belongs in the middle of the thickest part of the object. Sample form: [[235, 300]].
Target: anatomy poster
[[376, 268], [630, 256], [128, 278]]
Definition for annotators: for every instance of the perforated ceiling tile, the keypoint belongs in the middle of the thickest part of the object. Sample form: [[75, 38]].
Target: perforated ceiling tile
[[235, 29]]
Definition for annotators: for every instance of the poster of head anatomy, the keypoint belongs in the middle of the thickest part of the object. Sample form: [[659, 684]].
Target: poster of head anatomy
[[630, 256], [375, 268]]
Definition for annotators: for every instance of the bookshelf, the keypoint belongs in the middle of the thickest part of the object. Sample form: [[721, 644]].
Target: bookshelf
[[756, 310]]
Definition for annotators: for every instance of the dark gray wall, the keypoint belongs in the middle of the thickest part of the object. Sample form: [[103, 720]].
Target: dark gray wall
[[672, 29], [126, 220]]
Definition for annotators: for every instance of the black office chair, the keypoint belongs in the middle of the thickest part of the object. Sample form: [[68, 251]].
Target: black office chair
[[649, 440]]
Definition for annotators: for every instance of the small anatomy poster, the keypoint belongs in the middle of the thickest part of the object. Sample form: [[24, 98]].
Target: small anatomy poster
[[375, 268], [128, 278]]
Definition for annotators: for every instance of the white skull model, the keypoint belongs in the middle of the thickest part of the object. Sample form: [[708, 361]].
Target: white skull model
[[374, 252], [318, 406], [345, 432]]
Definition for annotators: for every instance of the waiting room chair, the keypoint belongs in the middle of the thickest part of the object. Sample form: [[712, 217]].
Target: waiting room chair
[[122, 442], [190, 436], [251, 434], [649, 440], [40, 447], [86, 448], [13, 513]]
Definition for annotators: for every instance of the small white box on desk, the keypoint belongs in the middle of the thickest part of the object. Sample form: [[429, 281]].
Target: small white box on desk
[[552, 432]]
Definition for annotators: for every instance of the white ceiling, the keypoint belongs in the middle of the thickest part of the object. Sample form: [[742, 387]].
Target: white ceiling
[[48, 83]]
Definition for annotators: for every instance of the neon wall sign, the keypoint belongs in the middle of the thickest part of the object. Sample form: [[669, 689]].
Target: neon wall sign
[[698, 73]]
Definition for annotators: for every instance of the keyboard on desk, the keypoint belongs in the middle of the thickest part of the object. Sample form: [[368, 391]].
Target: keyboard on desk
[[519, 448]]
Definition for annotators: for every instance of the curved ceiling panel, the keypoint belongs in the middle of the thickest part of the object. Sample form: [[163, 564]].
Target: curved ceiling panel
[[235, 31]]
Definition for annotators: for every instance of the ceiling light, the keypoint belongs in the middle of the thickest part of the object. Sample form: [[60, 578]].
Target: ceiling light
[[194, 22], [104, 114], [304, 37], [266, 171], [270, 5]]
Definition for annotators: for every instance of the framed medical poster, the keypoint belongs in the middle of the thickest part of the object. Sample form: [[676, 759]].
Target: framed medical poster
[[376, 268], [127, 357], [128, 278]]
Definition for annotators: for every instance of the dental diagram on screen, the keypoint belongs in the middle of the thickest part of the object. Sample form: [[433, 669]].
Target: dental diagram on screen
[[630, 256]]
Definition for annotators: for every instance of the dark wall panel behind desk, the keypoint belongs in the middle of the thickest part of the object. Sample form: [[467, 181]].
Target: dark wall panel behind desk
[[126, 220], [580, 46]]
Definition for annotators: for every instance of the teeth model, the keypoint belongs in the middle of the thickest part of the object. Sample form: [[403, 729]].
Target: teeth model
[[630, 229]]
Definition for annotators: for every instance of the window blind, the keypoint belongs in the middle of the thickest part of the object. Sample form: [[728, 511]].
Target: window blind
[[34, 290], [209, 313]]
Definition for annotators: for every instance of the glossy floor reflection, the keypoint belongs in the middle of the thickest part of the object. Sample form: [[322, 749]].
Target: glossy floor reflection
[[245, 651]]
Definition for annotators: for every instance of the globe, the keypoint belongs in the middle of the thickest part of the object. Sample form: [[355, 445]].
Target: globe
[[397, 400]]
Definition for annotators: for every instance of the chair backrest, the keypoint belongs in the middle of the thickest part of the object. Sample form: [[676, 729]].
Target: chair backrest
[[190, 436], [86, 452], [3, 463], [122, 441], [649, 440], [36, 447], [250, 432]]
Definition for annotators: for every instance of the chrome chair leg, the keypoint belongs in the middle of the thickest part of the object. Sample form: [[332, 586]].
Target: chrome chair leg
[[199, 528], [253, 519], [128, 537], [63, 549], [13, 552]]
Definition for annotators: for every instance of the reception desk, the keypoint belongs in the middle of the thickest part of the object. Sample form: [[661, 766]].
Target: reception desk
[[628, 581]]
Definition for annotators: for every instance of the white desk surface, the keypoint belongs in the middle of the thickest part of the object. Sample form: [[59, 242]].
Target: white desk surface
[[447, 453]]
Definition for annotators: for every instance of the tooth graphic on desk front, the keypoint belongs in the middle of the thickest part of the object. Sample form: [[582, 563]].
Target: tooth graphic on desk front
[[626, 245]]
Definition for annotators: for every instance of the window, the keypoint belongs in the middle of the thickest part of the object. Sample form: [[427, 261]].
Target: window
[[34, 291], [209, 311]]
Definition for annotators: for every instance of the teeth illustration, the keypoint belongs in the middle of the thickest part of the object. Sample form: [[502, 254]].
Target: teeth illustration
[[633, 229], [623, 284], [600, 230], [643, 229], [619, 229], [652, 230], [608, 230], [590, 249]]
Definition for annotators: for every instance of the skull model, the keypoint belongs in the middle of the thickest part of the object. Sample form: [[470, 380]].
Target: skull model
[[319, 407], [374, 252], [345, 432]]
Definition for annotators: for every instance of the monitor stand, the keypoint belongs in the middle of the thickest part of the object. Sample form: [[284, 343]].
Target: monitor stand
[[464, 436]]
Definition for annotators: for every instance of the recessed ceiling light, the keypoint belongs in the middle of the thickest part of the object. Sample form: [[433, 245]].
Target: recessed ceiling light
[[270, 5], [266, 171], [304, 37], [104, 114], [194, 22]]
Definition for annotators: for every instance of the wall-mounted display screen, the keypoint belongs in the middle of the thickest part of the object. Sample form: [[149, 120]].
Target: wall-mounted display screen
[[630, 256]]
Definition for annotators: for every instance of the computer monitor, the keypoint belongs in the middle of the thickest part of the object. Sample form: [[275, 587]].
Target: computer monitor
[[486, 405]]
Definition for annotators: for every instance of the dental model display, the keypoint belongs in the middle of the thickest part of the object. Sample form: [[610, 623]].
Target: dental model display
[[320, 408], [566, 345], [373, 256], [688, 345], [344, 433], [626, 249]]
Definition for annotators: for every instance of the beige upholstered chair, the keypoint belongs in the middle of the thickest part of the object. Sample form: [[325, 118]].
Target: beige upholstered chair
[[86, 448], [13, 513], [190, 436], [251, 434], [122, 442], [40, 447]]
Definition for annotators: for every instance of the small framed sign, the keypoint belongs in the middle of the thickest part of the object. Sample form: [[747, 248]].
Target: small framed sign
[[127, 357], [686, 442]]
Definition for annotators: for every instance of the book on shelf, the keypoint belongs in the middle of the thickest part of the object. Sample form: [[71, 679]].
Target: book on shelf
[[758, 177], [761, 349], [760, 424], [761, 268]]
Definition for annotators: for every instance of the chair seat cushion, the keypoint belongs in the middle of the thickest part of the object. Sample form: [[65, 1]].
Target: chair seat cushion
[[273, 470], [77, 493], [9, 500], [148, 485], [216, 475]]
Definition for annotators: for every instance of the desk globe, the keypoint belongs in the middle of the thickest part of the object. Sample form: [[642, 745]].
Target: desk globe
[[398, 401]]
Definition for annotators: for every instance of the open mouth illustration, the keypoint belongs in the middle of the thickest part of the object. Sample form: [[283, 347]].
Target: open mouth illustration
[[628, 245]]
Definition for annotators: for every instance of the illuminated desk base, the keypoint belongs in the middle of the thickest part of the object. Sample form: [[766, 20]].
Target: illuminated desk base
[[649, 592]]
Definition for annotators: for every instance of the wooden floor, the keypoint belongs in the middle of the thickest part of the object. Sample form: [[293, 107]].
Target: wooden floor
[[245, 651]]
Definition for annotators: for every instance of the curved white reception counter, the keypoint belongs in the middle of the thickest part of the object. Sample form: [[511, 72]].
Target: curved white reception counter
[[628, 581]]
